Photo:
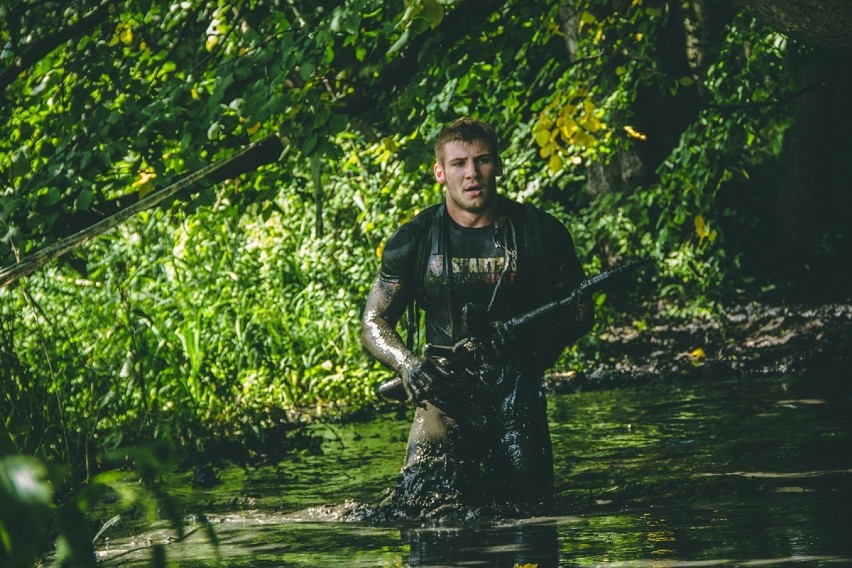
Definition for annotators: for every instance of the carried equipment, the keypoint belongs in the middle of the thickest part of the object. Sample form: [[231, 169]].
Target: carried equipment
[[473, 359]]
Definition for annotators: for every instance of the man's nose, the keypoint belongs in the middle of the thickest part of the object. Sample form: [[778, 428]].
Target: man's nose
[[472, 170]]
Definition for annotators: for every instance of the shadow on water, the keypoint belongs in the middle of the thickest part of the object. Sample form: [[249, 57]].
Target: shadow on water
[[748, 472]]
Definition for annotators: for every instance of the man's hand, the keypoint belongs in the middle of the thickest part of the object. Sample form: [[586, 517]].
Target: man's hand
[[502, 339], [420, 376]]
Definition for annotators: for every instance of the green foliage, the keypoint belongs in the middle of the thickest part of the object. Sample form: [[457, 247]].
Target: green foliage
[[26, 498], [594, 114], [32, 516]]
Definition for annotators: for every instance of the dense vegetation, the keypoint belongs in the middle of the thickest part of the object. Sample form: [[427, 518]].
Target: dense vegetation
[[218, 319]]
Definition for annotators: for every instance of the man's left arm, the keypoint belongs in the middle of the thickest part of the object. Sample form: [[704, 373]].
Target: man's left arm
[[565, 326]]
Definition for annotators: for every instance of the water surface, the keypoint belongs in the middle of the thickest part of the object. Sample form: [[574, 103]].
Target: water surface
[[745, 472]]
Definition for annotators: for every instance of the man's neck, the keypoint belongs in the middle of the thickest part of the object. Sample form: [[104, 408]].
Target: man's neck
[[474, 220]]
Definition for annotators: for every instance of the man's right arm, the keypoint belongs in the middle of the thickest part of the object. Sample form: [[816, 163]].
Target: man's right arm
[[385, 304]]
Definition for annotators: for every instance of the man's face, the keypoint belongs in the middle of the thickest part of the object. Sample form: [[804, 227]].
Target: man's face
[[469, 173]]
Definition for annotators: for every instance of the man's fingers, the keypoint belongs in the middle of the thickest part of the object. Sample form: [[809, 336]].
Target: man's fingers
[[442, 369]]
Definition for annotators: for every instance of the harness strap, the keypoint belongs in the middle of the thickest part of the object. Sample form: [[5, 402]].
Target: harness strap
[[438, 235]]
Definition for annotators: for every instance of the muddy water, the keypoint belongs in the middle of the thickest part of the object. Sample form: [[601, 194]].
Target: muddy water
[[752, 472]]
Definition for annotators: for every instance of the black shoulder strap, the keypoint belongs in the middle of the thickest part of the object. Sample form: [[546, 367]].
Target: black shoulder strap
[[428, 244]]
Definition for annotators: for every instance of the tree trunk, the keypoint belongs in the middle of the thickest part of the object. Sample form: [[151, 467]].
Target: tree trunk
[[813, 172]]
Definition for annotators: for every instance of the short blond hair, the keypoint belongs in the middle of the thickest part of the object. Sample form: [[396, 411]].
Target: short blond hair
[[467, 130]]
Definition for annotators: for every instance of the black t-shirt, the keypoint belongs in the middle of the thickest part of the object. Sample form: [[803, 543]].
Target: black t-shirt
[[492, 268]]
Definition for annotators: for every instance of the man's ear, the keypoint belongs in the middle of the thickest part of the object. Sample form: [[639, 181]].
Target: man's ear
[[438, 170]]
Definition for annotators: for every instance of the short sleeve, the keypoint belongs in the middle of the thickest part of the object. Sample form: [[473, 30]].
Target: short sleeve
[[398, 258], [400, 255]]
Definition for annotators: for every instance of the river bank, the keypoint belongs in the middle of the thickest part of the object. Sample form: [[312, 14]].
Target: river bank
[[752, 339]]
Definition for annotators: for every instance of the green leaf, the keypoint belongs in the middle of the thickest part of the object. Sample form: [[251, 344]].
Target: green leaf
[[398, 44], [309, 144], [51, 197], [83, 200]]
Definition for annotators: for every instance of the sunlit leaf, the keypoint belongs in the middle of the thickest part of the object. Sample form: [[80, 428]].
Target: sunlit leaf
[[125, 34], [633, 133], [555, 163], [697, 356], [541, 136], [701, 227]]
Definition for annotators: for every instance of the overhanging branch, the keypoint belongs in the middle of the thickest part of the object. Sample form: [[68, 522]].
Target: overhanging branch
[[246, 159]]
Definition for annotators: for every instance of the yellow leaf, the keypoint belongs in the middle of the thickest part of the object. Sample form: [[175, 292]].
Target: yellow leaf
[[143, 184], [592, 123], [194, 93], [527, 565], [701, 227], [542, 137], [696, 357], [587, 18], [123, 33], [380, 249], [620, 70], [584, 139], [434, 12], [598, 35], [145, 177], [252, 129], [555, 163], [640, 36], [390, 144], [633, 133], [211, 42], [567, 130], [548, 149]]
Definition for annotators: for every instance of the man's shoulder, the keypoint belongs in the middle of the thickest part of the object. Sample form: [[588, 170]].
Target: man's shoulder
[[417, 225], [533, 214]]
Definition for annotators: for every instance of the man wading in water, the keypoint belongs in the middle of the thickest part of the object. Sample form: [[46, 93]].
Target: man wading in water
[[476, 253]]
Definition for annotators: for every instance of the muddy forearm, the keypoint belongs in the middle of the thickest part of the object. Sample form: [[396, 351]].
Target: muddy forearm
[[385, 305]]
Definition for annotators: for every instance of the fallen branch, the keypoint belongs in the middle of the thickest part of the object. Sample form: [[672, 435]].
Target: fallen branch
[[258, 153]]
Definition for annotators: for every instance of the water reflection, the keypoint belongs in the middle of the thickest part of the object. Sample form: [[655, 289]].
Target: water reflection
[[524, 544]]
